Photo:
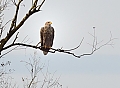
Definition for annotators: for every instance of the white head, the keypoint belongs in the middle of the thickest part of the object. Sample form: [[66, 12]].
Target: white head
[[48, 24]]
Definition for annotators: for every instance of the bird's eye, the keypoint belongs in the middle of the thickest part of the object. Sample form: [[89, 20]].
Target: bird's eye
[[48, 22]]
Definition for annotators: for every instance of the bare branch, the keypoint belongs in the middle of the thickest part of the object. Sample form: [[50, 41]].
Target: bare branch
[[15, 27], [76, 47], [41, 5], [31, 82], [8, 51], [15, 37], [94, 48], [13, 24]]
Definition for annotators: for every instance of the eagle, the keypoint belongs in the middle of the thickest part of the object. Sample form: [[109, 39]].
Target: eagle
[[47, 37]]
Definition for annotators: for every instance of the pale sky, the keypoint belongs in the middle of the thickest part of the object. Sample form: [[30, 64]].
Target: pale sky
[[73, 20]]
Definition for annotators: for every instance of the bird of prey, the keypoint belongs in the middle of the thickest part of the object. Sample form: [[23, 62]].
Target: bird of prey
[[47, 37]]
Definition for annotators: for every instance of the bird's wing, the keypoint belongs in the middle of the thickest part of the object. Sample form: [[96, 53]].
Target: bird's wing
[[52, 35], [41, 35]]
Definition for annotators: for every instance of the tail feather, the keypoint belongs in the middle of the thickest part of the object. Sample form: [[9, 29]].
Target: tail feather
[[45, 53]]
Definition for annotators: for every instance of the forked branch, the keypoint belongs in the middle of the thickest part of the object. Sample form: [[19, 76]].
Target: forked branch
[[14, 26]]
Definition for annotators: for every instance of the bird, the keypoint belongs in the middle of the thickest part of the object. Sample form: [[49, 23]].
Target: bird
[[47, 37]]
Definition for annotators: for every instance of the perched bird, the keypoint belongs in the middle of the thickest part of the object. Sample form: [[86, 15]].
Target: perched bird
[[47, 37]]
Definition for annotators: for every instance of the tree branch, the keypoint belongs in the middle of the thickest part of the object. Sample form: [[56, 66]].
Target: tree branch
[[41, 4], [13, 24], [68, 51], [15, 27]]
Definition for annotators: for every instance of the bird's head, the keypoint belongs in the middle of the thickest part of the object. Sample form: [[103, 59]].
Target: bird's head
[[48, 24]]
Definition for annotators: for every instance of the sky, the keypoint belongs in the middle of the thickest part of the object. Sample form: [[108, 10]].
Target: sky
[[73, 20]]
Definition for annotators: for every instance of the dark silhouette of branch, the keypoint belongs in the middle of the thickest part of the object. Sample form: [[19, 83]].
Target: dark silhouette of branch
[[77, 46], [8, 51], [39, 6], [15, 37], [94, 45], [14, 27], [21, 44]]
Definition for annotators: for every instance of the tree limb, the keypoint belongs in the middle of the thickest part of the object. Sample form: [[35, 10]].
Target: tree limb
[[68, 51], [15, 27]]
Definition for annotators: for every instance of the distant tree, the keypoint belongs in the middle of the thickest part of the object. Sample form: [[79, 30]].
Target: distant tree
[[35, 67], [5, 79], [3, 6]]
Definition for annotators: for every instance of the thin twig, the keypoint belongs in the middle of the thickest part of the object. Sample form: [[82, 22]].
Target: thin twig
[[8, 51], [41, 5], [15, 37], [77, 46], [31, 82]]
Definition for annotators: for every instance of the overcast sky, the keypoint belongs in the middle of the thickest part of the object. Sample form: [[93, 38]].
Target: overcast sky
[[73, 20]]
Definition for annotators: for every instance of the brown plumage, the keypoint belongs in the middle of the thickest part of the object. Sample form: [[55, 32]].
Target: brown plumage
[[47, 37]]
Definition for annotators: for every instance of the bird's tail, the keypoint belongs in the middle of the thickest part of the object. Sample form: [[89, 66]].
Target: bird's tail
[[45, 53]]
